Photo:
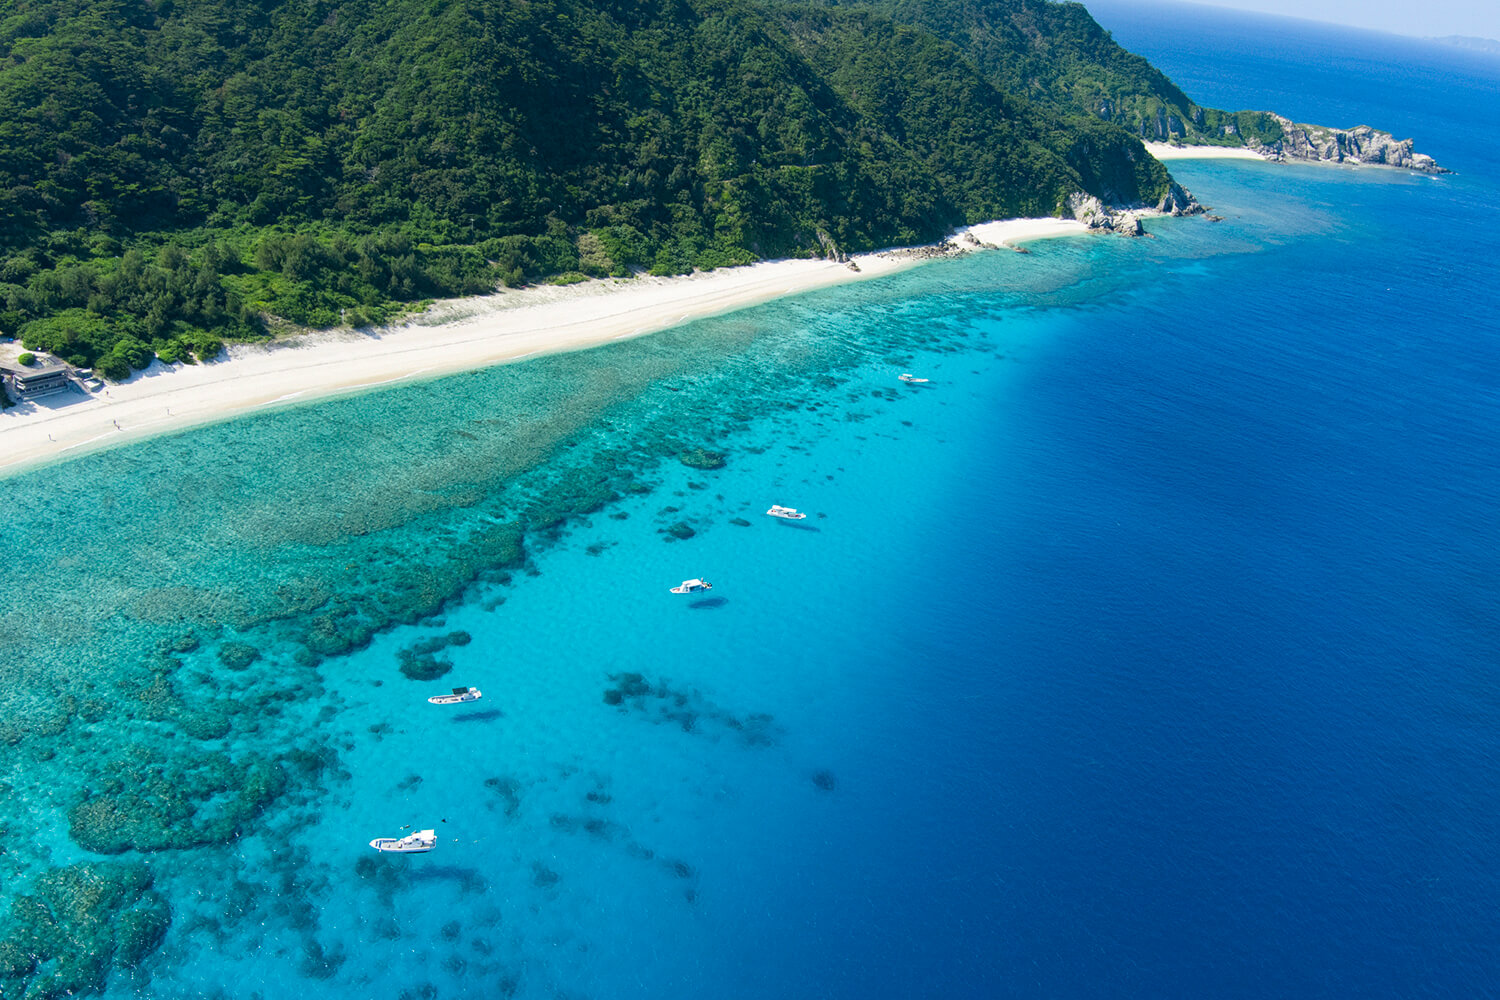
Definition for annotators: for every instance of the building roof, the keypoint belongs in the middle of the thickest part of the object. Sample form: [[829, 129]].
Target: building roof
[[35, 371]]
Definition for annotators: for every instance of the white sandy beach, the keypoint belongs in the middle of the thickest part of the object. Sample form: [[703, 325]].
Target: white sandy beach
[[453, 336], [1163, 151], [1012, 232]]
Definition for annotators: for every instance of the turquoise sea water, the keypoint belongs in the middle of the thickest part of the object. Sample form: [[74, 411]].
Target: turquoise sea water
[[1148, 650]]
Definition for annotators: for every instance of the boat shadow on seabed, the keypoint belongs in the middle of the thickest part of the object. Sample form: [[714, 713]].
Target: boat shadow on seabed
[[488, 715], [470, 880], [708, 603]]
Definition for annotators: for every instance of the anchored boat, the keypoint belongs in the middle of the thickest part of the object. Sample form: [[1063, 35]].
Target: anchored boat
[[693, 586], [459, 695], [416, 843], [790, 513], [909, 377]]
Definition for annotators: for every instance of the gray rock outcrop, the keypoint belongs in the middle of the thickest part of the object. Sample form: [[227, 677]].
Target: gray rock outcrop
[[1178, 201], [1126, 220], [1361, 144]]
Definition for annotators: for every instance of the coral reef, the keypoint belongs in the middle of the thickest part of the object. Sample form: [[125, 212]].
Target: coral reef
[[509, 791], [423, 668], [702, 458], [688, 710], [147, 800], [419, 662], [575, 492], [238, 655], [61, 938], [191, 710]]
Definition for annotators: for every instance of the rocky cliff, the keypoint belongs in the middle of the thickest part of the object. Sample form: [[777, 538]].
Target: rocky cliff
[[1361, 144], [1126, 219]]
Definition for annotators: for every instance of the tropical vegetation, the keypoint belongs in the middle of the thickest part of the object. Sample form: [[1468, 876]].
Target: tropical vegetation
[[174, 175]]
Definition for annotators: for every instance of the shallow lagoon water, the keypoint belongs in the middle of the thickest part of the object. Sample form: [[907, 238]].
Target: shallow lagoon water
[[303, 557], [1147, 650]]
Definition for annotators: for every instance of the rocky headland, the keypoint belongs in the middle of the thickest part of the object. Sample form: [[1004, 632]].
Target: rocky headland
[[1320, 143], [1125, 220], [1360, 144]]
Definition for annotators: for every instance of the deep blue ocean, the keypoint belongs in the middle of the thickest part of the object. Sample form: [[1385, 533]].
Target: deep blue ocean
[[1152, 649]]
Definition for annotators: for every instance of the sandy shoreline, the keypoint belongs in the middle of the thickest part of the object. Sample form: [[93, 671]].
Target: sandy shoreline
[[454, 336], [1162, 151], [1013, 232]]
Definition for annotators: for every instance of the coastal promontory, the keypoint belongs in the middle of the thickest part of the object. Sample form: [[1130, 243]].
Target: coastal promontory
[[1361, 144]]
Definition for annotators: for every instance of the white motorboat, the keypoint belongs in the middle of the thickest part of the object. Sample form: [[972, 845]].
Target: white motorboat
[[415, 843], [693, 586], [909, 377], [458, 695], [790, 513]]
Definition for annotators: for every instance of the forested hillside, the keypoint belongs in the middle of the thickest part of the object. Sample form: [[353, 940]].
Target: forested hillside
[[173, 174], [1057, 56]]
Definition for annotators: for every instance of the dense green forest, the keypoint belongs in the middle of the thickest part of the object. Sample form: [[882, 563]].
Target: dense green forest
[[1059, 58], [175, 174]]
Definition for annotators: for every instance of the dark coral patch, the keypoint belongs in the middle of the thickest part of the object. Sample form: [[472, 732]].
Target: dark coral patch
[[61, 939], [422, 667], [688, 710], [509, 791], [146, 801], [238, 655], [702, 458]]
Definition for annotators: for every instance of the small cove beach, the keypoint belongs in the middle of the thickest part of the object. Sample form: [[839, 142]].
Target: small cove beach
[[1165, 151]]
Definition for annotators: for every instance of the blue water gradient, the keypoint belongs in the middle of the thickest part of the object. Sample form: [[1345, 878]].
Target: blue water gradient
[[1446, 98], [1149, 650]]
